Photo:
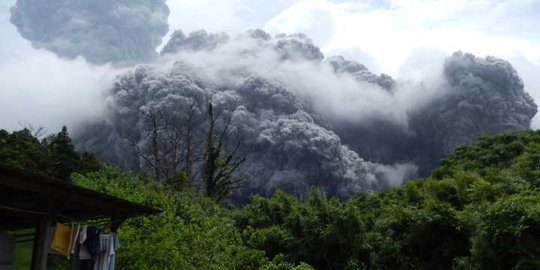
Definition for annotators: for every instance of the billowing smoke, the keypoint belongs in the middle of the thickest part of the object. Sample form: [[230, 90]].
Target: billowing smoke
[[360, 72], [286, 148], [487, 96], [301, 118], [198, 40], [305, 119], [484, 96], [477, 97], [120, 31]]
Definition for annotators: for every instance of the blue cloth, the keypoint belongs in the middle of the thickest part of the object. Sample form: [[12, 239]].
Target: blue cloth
[[92, 241], [115, 246]]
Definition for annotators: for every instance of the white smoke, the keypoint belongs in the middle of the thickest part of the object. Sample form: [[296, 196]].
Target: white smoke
[[297, 64]]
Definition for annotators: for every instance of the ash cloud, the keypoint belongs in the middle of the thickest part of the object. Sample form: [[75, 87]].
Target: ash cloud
[[197, 40], [120, 31], [309, 120], [286, 147], [484, 96], [360, 72], [477, 96]]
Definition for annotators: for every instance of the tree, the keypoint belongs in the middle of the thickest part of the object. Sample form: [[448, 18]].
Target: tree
[[170, 150], [62, 155], [219, 165], [508, 234], [193, 232], [21, 149], [169, 145], [55, 155]]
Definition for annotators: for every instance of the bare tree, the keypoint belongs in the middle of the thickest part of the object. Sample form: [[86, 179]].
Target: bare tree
[[36, 131], [218, 164], [171, 150], [170, 147], [189, 149], [151, 154]]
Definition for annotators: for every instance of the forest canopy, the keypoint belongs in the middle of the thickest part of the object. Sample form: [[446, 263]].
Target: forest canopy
[[480, 209]]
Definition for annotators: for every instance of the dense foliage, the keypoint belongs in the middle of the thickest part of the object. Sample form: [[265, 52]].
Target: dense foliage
[[192, 233], [53, 155], [480, 209]]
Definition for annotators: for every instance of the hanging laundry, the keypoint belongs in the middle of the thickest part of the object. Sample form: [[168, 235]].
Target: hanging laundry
[[112, 253], [106, 257], [92, 243], [84, 254], [82, 234], [61, 240], [75, 232], [93, 249], [101, 257]]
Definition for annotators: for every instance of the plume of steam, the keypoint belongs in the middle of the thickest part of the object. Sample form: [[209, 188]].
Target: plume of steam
[[120, 31]]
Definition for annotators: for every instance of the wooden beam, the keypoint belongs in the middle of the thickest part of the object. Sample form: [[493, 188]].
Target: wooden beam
[[41, 243]]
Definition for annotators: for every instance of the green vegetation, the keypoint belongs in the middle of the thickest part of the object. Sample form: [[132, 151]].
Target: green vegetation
[[23, 256], [54, 155], [193, 232], [480, 209]]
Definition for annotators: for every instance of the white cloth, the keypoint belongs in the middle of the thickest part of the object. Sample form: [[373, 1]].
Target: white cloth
[[115, 245], [75, 231], [83, 252], [82, 234], [103, 257]]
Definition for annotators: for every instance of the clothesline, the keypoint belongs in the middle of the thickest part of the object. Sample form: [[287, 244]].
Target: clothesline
[[22, 211], [89, 247]]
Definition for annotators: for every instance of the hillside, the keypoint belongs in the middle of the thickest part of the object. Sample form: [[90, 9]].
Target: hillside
[[480, 209]]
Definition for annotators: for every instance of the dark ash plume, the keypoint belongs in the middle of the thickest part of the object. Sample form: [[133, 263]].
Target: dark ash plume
[[478, 97], [286, 148], [484, 96], [119, 31], [307, 120], [360, 72], [195, 41]]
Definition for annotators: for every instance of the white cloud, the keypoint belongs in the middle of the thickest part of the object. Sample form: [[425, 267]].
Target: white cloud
[[231, 16], [391, 34], [38, 88]]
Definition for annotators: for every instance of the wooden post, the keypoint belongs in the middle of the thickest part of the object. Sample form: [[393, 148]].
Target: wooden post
[[41, 243], [75, 263]]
